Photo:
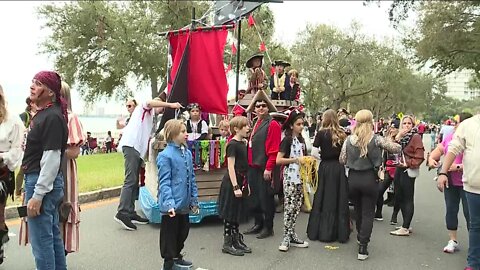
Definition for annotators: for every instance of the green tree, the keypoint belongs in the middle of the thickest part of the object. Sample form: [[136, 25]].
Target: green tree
[[97, 45], [447, 37]]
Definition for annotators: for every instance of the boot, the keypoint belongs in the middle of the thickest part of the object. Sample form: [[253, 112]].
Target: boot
[[362, 252], [254, 230], [265, 233], [168, 265], [239, 244], [228, 246]]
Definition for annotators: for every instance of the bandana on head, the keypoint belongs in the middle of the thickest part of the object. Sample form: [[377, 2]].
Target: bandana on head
[[53, 81]]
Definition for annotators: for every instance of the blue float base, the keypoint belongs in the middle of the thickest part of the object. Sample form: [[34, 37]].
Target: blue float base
[[151, 209]]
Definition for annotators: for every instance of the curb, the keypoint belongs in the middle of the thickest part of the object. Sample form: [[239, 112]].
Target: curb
[[11, 211]]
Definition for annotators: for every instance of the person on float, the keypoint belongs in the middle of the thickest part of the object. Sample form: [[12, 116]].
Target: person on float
[[280, 82], [197, 129], [257, 80]]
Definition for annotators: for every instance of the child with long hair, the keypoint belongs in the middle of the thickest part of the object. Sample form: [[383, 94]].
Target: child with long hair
[[231, 203], [329, 219], [291, 153]]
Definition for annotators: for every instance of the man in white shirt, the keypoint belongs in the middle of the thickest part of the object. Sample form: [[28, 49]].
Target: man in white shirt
[[466, 140], [134, 146]]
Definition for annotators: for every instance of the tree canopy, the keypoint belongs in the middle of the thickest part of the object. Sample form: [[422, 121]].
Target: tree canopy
[[347, 69]]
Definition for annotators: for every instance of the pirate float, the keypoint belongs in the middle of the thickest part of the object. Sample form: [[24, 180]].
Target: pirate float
[[191, 50]]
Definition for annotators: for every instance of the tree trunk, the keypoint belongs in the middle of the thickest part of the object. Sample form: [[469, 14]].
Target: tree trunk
[[154, 83]]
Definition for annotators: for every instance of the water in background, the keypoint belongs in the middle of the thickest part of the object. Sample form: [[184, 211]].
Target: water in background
[[99, 125]]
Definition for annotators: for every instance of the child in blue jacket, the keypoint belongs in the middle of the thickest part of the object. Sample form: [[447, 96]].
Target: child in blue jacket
[[177, 194]]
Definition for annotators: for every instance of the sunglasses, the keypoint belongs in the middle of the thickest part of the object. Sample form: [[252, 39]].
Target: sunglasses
[[129, 106], [261, 106]]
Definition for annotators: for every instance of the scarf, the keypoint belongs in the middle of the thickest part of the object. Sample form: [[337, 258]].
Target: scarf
[[405, 140], [279, 83]]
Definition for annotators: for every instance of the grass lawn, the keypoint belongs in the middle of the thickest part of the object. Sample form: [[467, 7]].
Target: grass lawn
[[100, 171], [96, 172]]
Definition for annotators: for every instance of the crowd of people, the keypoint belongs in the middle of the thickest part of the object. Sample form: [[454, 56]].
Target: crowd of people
[[359, 161]]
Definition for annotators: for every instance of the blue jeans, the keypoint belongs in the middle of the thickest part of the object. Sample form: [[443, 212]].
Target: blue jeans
[[453, 196], [473, 259], [43, 230]]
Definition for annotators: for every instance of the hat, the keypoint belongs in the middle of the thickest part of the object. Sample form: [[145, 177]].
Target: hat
[[238, 110], [396, 123], [260, 95], [294, 114], [279, 117], [242, 90], [249, 63], [51, 79], [281, 63]]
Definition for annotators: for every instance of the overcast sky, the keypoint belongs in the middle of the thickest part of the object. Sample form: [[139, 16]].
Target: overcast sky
[[20, 35]]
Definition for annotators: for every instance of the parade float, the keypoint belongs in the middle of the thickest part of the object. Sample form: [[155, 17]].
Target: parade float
[[191, 50]]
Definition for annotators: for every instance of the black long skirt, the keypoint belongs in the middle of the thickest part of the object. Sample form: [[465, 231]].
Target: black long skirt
[[329, 219], [231, 208]]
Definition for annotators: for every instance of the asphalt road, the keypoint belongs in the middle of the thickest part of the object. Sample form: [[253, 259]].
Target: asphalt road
[[105, 245]]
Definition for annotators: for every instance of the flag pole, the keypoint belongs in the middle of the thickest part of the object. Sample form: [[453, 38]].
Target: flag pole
[[239, 41]]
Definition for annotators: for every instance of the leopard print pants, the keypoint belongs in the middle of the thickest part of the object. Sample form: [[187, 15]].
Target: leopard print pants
[[292, 204]]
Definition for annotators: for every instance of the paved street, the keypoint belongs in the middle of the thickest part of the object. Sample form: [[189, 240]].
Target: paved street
[[104, 245]]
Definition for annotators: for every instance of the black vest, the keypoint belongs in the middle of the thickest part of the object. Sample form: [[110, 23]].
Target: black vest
[[259, 156], [199, 127]]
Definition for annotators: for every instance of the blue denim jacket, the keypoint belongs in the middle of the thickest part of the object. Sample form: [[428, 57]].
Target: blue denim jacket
[[177, 188]]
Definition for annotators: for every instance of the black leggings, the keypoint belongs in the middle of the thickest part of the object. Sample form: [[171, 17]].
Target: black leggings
[[404, 193], [382, 186]]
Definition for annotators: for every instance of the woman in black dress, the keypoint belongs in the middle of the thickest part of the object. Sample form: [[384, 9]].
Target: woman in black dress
[[329, 219], [231, 203]]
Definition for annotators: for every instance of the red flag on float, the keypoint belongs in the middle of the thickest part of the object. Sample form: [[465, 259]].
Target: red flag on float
[[234, 49], [251, 21], [272, 71], [263, 48]]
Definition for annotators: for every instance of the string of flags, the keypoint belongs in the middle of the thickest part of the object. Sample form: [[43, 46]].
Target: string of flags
[[262, 46]]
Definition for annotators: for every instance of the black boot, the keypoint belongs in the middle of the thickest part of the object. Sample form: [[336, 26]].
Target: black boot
[[254, 230], [265, 233], [228, 246], [168, 265], [362, 252], [239, 244]]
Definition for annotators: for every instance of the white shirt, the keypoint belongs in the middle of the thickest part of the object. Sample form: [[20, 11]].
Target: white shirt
[[446, 130], [11, 139], [195, 135], [137, 132]]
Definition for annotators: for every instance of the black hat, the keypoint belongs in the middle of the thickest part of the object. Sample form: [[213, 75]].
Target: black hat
[[344, 122], [250, 60], [281, 63], [193, 106], [294, 114], [396, 123]]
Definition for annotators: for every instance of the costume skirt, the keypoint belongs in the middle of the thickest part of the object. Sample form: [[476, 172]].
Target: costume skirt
[[231, 208], [329, 219]]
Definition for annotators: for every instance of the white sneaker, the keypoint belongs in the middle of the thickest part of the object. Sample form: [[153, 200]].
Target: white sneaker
[[451, 247], [284, 245]]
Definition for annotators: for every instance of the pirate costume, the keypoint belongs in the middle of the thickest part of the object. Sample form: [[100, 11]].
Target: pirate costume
[[258, 79], [280, 83], [262, 153]]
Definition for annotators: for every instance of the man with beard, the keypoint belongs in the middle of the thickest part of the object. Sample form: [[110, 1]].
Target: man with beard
[[262, 152]]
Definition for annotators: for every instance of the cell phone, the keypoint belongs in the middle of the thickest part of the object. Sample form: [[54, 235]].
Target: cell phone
[[22, 211]]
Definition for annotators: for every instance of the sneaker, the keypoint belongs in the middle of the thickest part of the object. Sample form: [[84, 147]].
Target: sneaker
[[378, 218], [393, 222], [284, 245], [451, 247], [295, 242], [400, 232], [182, 263], [410, 230], [125, 222], [139, 220], [362, 252]]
